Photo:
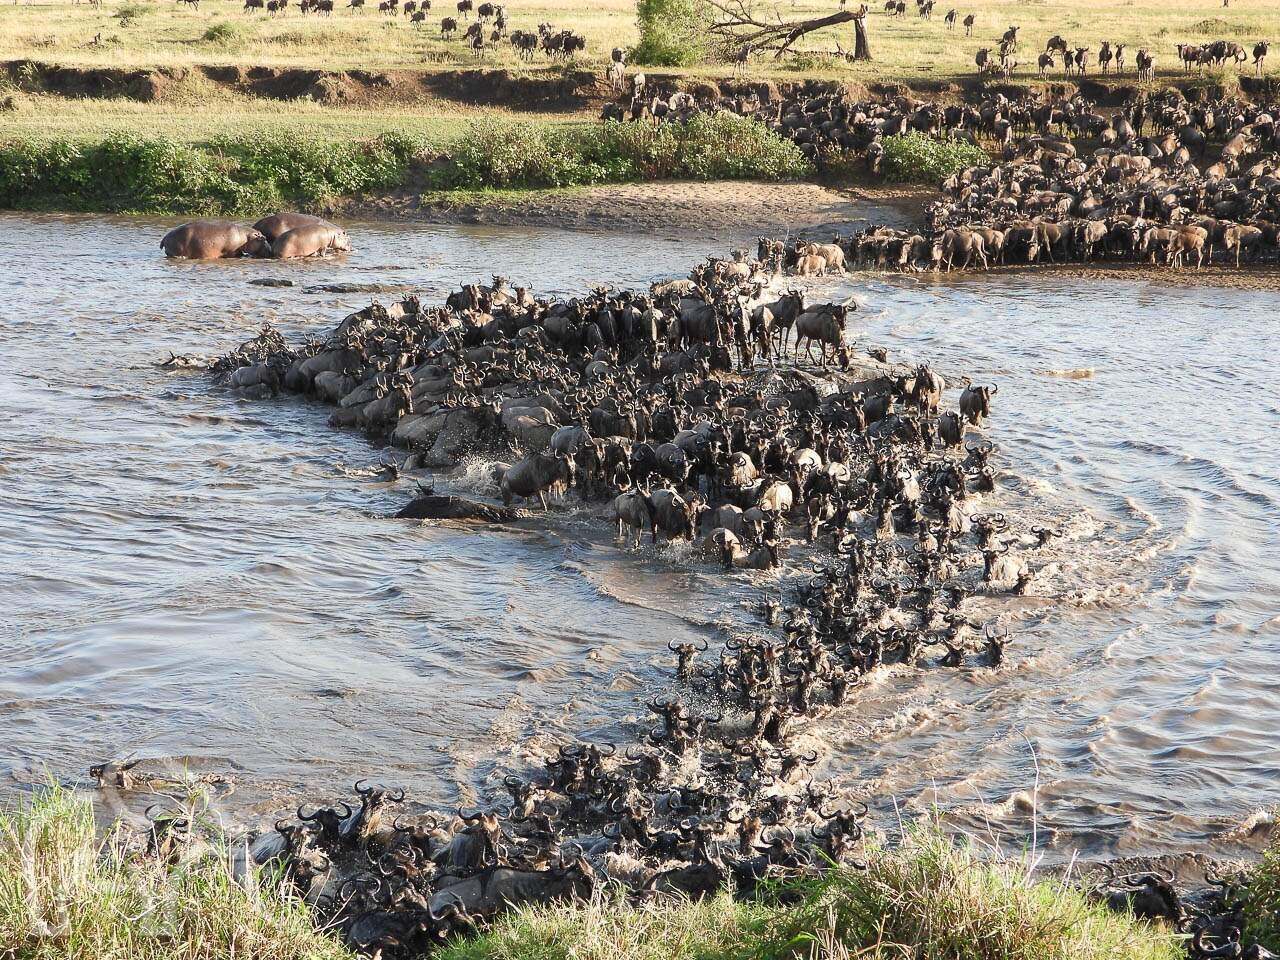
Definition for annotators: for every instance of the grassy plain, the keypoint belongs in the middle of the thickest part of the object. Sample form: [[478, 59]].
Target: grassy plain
[[144, 33], [159, 33]]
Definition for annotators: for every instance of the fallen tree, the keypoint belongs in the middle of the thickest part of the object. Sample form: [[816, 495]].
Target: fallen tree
[[739, 32]]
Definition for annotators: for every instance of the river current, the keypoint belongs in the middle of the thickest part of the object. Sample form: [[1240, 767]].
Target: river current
[[213, 584]]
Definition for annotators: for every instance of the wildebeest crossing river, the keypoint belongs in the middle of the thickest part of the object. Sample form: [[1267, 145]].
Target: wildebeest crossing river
[[212, 583]]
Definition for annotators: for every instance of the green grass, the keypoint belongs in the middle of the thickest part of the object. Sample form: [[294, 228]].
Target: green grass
[[1262, 899], [928, 899], [202, 122], [66, 894], [69, 893]]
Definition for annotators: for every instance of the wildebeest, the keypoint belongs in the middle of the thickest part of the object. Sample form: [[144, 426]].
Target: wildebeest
[[824, 325], [975, 403], [536, 475]]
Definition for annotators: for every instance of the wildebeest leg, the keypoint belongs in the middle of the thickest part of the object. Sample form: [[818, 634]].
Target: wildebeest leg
[[542, 495]]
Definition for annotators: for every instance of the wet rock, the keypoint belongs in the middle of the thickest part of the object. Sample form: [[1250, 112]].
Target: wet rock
[[273, 282]]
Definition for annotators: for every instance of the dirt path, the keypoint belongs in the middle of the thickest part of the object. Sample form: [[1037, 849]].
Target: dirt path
[[670, 208]]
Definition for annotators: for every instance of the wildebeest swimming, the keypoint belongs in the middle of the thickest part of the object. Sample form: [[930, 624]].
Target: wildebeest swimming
[[682, 412]]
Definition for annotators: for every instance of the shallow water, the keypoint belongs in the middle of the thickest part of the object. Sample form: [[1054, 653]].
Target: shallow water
[[212, 583]]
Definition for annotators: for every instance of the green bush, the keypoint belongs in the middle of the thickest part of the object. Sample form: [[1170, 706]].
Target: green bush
[[670, 33], [242, 175], [502, 154], [134, 174], [131, 12], [223, 34], [916, 158]]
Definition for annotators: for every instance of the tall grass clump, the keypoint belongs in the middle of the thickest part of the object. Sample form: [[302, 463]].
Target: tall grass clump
[[916, 158], [611, 928], [223, 34], [938, 899], [130, 13], [670, 33], [930, 899], [1262, 899], [67, 895]]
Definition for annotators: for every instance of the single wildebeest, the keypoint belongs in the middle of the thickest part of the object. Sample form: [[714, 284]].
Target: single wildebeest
[[975, 403], [535, 475], [823, 324], [634, 511]]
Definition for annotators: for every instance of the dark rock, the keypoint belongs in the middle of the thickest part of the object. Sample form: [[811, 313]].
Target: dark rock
[[273, 282]]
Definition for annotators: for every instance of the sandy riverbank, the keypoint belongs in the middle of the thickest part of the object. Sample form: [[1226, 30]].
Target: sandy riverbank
[[667, 208]]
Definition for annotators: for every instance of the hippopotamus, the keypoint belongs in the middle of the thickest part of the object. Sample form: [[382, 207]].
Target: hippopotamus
[[312, 240], [277, 224], [214, 240]]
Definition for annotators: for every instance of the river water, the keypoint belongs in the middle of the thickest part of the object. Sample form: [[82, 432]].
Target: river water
[[212, 584]]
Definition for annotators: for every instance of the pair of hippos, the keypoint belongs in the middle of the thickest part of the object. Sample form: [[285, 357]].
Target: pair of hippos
[[281, 236]]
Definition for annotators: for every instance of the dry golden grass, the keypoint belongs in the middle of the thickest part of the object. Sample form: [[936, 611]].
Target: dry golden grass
[[161, 32]]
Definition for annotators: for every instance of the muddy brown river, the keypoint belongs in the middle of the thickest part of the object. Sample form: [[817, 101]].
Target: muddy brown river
[[212, 584]]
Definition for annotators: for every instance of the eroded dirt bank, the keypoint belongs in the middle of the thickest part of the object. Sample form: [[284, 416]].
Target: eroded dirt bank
[[536, 89]]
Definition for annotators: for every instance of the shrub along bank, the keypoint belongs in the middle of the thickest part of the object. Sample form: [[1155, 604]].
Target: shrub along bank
[[245, 175]]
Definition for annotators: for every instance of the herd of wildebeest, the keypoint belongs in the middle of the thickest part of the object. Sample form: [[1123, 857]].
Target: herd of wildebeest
[[1155, 179], [489, 28], [682, 413]]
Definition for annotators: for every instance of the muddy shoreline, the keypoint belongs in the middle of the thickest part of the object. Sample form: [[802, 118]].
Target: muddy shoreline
[[667, 208]]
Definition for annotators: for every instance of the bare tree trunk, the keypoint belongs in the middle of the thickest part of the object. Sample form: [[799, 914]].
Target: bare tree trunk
[[861, 46]]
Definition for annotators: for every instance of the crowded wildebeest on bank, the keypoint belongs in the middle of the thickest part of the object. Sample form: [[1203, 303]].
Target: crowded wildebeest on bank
[[1157, 179]]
